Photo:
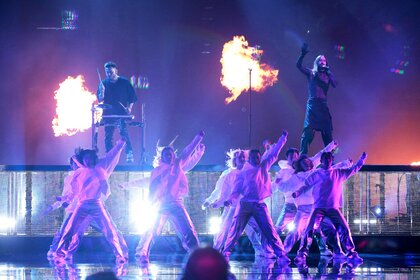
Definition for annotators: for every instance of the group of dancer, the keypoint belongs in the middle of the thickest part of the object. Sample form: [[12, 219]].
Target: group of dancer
[[313, 195], [316, 196]]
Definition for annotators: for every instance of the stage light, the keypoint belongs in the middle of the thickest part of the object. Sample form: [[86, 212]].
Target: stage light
[[143, 214], [339, 49], [6, 223], [377, 211], [214, 224], [69, 20], [358, 221], [291, 226]]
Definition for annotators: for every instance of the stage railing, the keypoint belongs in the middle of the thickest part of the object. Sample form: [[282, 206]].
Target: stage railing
[[379, 200]]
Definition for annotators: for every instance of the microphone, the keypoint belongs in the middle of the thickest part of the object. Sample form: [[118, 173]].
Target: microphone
[[324, 68]]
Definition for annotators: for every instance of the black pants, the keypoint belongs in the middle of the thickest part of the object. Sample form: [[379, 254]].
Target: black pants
[[308, 136], [109, 133]]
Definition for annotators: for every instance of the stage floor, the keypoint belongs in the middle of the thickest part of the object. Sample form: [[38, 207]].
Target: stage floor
[[375, 266]]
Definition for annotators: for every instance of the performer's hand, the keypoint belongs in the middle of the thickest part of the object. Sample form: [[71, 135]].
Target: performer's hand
[[101, 91], [294, 195], [201, 147], [328, 71], [284, 133], [205, 205], [304, 49], [201, 133], [364, 156], [228, 202], [266, 144]]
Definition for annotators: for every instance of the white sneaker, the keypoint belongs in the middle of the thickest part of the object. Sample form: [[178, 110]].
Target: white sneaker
[[141, 258], [121, 260], [354, 258]]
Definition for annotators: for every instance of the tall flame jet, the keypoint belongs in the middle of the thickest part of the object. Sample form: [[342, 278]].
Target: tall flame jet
[[73, 111], [238, 60]]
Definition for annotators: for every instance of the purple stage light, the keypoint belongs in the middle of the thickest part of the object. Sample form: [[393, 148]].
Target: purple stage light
[[69, 20]]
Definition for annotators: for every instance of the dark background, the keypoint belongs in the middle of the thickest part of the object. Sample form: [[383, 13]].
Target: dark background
[[178, 44]]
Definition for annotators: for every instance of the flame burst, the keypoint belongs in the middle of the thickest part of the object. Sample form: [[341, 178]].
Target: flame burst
[[237, 59], [74, 105]]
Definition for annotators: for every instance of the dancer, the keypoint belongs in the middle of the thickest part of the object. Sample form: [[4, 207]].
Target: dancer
[[254, 185], [304, 203], [143, 247], [224, 187], [117, 92], [168, 186], [62, 201], [288, 211], [69, 202], [318, 117], [325, 183], [290, 184], [89, 183]]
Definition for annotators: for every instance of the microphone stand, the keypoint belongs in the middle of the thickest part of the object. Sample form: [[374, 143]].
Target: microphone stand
[[250, 108]]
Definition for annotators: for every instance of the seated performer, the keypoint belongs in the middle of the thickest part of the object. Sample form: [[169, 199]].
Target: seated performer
[[89, 184], [326, 184], [168, 186], [252, 186], [117, 92], [224, 187]]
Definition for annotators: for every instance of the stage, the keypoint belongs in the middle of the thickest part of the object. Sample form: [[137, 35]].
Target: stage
[[387, 239], [243, 266]]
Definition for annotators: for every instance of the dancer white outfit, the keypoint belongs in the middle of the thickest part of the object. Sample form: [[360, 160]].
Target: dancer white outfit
[[89, 185], [289, 210], [304, 205], [221, 193], [326, 185], [168, 187], [254, 185]]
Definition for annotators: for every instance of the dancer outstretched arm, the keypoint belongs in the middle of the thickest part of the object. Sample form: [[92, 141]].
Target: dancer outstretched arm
[[188, 150], [273, 152]]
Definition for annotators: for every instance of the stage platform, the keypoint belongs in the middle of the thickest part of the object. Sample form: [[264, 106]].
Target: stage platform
[[387, 239], [378, 200], [245, 266]]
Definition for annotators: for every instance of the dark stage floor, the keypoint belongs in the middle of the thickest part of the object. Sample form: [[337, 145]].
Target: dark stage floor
[[375, 266]]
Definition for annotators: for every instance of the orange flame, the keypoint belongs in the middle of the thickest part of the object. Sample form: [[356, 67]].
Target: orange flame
[[237, 60], [74, 105], [415, 163]]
